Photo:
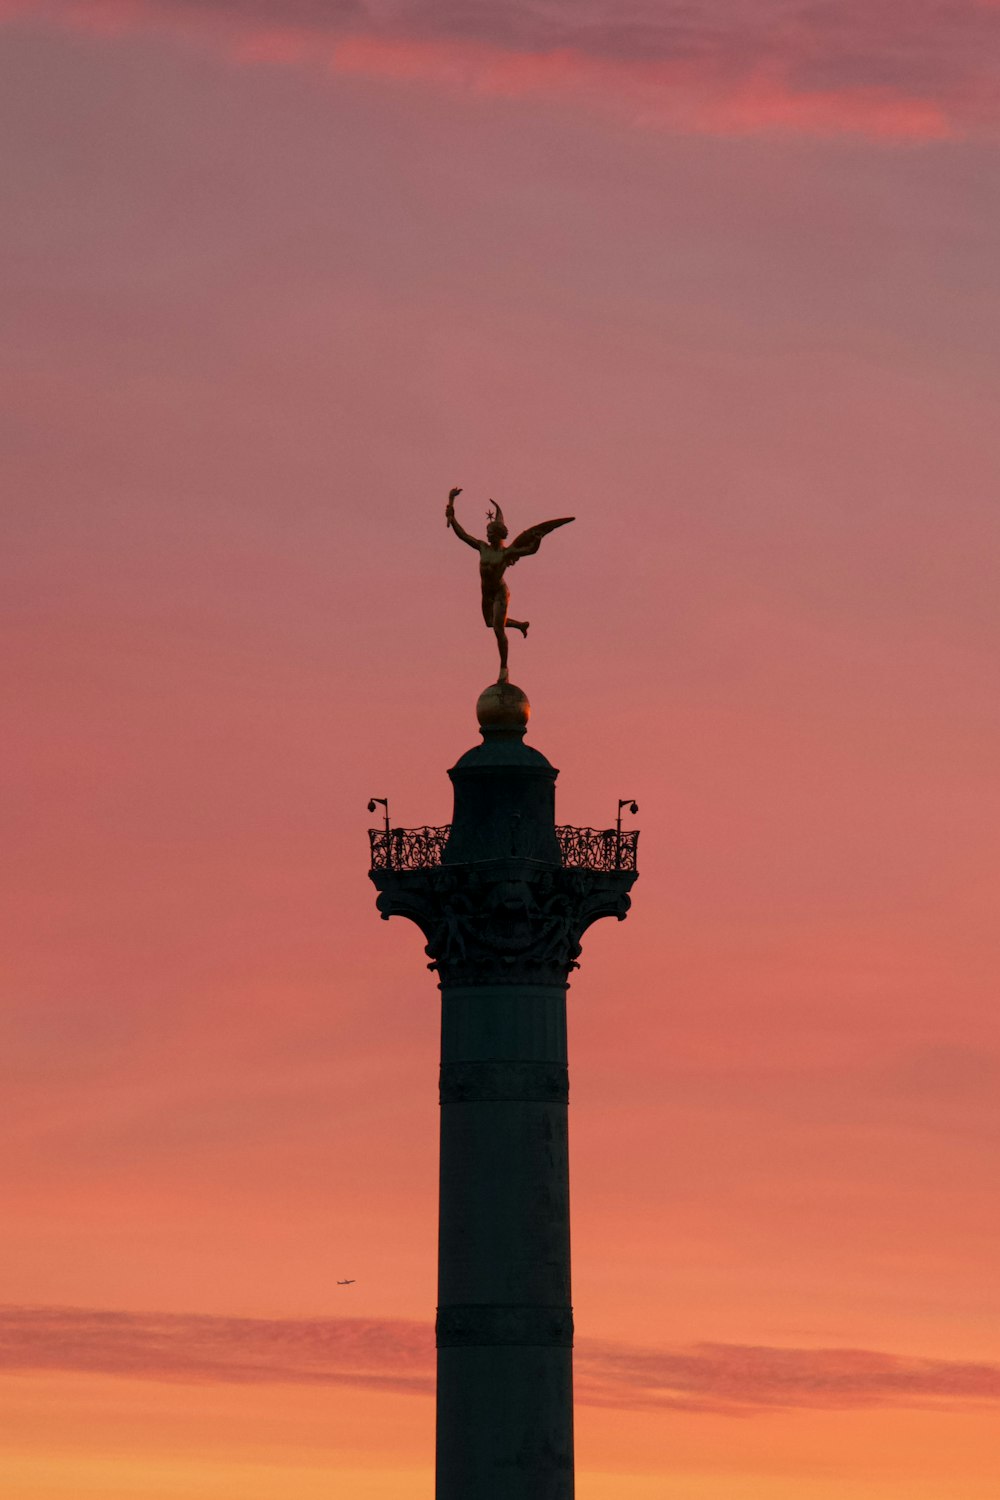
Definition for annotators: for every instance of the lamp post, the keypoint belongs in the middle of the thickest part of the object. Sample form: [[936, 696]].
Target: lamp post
[[633, 808], [383, 802]]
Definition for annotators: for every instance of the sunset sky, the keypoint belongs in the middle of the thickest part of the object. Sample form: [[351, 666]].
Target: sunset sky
[[720, 280]]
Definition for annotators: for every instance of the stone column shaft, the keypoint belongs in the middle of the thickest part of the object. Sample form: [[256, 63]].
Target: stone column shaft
[[505, 1323]]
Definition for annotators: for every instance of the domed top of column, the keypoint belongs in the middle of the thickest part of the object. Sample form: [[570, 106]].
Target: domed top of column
[[503, 707], [504, 789], [502, 710]]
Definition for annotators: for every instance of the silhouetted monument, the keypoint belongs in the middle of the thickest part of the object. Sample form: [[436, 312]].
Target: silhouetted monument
[[503, 896]]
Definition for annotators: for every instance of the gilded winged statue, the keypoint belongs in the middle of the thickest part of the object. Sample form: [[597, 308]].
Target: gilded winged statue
[[494, 560]]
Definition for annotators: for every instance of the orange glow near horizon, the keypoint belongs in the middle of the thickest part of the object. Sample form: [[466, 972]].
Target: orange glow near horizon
[[729, 298]]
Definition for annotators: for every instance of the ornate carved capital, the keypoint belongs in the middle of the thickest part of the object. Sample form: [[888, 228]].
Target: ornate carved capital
[[464, 1327], [503, 921]]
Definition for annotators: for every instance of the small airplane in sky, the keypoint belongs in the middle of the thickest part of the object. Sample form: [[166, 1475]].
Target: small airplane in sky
[[349, 1282]]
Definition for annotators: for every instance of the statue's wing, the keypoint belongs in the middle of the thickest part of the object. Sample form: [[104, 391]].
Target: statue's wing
[[527, 542]]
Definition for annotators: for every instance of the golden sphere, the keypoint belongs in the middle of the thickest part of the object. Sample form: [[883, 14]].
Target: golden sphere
[[503, 706]]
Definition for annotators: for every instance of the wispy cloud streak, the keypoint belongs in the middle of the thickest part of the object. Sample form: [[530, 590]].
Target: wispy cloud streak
[[781, 66], [397, 1355], [744, 1378], [394, 1355]]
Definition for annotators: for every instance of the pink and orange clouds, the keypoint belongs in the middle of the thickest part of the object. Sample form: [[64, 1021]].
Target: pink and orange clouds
[[397, 1356], [770, 66]]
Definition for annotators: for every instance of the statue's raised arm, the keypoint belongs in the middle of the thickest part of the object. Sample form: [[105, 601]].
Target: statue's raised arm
[[494, 560], [459, 530]]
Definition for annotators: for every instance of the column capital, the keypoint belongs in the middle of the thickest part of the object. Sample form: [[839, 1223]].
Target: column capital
[[503, 921]]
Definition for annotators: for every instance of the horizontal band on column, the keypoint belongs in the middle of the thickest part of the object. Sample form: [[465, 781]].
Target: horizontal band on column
[[482, 1326], [502, 1082]]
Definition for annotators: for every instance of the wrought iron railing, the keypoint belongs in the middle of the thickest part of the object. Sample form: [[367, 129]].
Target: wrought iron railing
[[581, 848], [597, 848], [407, 848]]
